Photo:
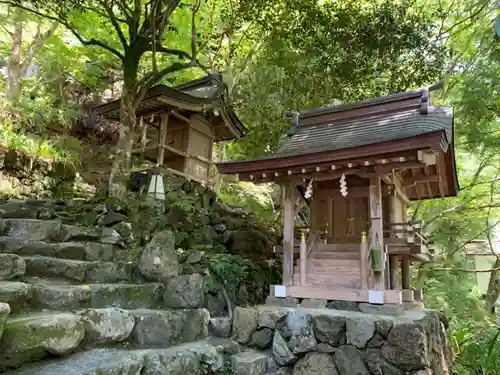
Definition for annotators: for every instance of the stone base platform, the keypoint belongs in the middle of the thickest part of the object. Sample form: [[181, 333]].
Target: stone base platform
[[319, 341]]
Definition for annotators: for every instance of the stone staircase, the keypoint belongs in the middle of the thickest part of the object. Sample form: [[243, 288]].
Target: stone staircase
[[77, 301]]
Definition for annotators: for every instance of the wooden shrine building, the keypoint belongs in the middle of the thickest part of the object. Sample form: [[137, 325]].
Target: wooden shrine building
[[179, 125], [358, 166]]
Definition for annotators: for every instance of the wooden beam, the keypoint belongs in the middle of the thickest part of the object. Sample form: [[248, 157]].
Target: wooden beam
[[427, 157], [288, 233], [377, 230], [162, 139], [332, 171], [409, 181], [354, 295], [440, 173], [397, 190]]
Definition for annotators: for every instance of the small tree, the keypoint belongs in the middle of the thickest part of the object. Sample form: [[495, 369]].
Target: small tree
[[137, 28]]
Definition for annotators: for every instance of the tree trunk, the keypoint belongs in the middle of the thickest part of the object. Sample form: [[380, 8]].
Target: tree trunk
[[119, 174], [493, 291], [13, 85]]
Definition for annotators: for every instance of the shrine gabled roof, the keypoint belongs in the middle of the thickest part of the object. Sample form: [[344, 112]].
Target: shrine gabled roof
[[366, 131], [208, 92], [398, 122]]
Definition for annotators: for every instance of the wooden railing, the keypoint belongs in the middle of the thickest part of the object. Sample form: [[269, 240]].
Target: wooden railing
[[406, 233]]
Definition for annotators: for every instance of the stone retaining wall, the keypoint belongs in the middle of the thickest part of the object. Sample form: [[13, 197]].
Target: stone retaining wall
[[324, 341], [30, 177]]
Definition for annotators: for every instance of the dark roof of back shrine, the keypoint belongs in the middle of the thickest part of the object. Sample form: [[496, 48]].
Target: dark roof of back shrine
[[209, 92]]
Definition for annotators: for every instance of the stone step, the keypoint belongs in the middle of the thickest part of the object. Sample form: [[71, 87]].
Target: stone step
[[90, 251], [55, 231], [79, 271], [195, 358], [44, 295], [32, 337]]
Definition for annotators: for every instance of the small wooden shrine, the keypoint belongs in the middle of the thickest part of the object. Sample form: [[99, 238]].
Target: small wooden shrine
[[357, 166], [178, 125]]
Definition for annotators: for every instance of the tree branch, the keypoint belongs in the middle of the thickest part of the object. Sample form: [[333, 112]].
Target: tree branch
[[145, 83], [114, 22], [483, 270], [36, 44], [65, 23]]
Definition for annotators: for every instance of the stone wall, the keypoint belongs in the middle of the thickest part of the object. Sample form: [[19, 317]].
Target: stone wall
[[23, 176], [302, 341]]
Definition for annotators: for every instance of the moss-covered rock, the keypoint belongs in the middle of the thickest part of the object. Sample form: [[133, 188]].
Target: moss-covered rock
[[35, 336]]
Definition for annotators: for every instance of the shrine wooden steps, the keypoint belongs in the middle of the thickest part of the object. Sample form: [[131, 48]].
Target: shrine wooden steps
[[334, 266]]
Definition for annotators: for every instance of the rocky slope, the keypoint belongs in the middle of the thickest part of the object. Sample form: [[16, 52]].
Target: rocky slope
[[132, 292]]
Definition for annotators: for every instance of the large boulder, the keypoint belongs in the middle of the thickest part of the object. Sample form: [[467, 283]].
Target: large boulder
[[32, 337], [262, 338], [407, 346], [249, 363], [298, 330], [349, 361], [185, 291], [269, 316], [159, 259], [163, 328], [359, 330], [330, 329], [281, 352], [378, 365], [11, 265], [315, 363], [106, 326], [244, 323]]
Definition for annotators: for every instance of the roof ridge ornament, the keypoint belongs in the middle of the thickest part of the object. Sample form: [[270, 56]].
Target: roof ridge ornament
[[294, 119], [425, 101]]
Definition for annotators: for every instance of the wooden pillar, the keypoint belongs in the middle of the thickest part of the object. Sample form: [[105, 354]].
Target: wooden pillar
[[405, 272], [364, 261], [162, 138], [288, 233], [396, 207], [393, 272], [377, 234], [303, 259]]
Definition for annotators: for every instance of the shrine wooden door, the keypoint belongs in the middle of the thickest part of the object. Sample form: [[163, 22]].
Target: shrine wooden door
[[349, 217]]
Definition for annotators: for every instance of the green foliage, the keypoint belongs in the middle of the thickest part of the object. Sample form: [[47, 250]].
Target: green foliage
[[58, 149], [231, 271], [254, 199]]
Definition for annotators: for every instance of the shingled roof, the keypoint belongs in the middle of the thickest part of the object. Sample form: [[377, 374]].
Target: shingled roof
[[208, 92], [366, 131]]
